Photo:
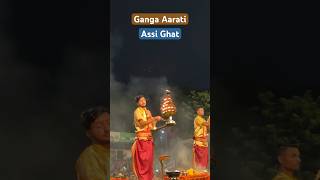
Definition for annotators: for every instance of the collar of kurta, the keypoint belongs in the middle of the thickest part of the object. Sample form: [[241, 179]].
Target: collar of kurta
[[287, 176], [200, 116], [142, 108]]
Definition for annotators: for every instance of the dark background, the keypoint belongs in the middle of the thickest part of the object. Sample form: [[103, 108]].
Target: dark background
[[258, 46], [53, 65]]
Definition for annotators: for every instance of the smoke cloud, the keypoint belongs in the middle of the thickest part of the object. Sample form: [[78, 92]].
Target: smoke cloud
[[173, 141]]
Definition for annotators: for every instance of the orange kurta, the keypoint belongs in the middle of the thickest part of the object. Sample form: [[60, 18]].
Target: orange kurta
[[200, 132], [140, 113], [142, 148], [200, 144], [283, 176]]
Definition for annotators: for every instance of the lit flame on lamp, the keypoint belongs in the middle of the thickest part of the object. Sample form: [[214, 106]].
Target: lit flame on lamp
[[168, 108]]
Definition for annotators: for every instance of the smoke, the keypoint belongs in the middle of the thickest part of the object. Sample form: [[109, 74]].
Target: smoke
[[182, 153], [178, 139], [122, 95], [122, 102]]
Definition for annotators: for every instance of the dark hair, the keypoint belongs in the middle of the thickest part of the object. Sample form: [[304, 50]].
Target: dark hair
[[283, 148], [137, 98], [90, 115], [198, 107]]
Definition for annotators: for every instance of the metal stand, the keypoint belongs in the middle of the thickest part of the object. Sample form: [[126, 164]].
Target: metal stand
[[161, 159], [168, 123]]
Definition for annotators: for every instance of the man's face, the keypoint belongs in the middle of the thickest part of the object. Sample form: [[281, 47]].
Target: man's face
[[290, 159], [142, 102], [200, 111], [100, 129]]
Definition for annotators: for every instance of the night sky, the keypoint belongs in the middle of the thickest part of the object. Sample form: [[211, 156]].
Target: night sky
[[185, 63]]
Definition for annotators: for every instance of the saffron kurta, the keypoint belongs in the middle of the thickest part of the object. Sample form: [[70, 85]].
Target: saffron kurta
[[142, 148], [283, 176], [200, 144]]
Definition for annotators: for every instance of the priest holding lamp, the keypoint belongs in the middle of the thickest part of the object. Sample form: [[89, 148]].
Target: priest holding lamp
[[142, 148], [200, 144]]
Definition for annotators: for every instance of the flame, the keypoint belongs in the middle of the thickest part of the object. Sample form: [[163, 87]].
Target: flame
[[168, 107]]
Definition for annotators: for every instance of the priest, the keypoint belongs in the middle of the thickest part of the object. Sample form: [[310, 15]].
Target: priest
[[200, 143], [142, 148]]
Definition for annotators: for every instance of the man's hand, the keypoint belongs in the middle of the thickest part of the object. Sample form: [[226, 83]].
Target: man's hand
[[157, 118], [205, 124]]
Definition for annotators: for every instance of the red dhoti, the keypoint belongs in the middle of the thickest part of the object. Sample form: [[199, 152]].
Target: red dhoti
[[200, 156], [142, 158]]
